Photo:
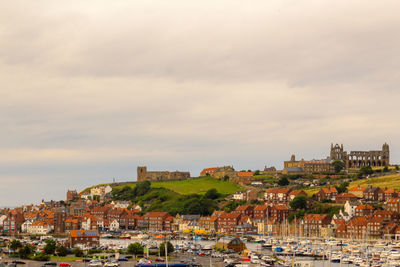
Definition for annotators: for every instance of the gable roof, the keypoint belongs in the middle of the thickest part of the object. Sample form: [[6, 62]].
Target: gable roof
[[245, 174], [84, 233], [329, 190], [357, 189], [208, 170]]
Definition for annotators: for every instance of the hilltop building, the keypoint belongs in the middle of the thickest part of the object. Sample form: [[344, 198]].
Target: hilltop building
[[307, 166], [358, 159], [354, 159], [219, 172], [144, 175]]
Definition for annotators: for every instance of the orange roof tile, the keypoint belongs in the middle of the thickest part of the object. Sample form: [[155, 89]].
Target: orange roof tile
[[245, 174]]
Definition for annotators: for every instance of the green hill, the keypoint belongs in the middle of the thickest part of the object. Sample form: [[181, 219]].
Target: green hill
[[193, 186], [186, 187]]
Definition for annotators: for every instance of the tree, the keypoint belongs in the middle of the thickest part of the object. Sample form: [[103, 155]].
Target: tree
[[396, 167], [257, 172], [283, 181], [142, 188], [226, 178], [342, 187], [212, 194], [365, 170], [338, 165], [50, 246], [15, 244], [77, 252], [299, 202], [386, 169], [135, 249], [25, 251], [170, 248], [62, 251]]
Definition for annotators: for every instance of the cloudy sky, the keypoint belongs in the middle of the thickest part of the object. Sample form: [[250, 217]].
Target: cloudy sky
[[89, 90]]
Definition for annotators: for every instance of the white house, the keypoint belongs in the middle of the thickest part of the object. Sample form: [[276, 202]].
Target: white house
[[121, 204], [25, 226], [39, 228], [114, 225], [239, 195]]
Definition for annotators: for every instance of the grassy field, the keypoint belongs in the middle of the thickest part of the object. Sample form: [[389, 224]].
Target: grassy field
[[389, 181], [67, 258], [195, 186]]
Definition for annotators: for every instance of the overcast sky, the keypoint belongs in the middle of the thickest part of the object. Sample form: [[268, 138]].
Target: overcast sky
[[89, 90]]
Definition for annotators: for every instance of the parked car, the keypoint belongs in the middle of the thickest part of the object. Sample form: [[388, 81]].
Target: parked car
[[64, 264], [95, 263], [50, 263], [112, 263], [17, 262]]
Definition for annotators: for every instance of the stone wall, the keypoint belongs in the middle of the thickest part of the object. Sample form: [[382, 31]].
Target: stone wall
[[144, 175]]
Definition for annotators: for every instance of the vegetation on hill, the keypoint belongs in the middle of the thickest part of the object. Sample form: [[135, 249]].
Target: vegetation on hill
[[164, 199], [193, 186], [389, 181]]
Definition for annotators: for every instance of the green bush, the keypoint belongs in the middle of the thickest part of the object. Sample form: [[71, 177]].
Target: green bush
[[41, 257], [77, 252], [62, 251]]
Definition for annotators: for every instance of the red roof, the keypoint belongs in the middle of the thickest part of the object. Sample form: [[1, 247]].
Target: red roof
[[284, 191], [245, 174], [358, 221], [339, 221], [394, 200], [315, 217], [242, 207], [364, 207], [272, 190], [329, 190], [156, 214], [390, 191], [357, 189], [231, 215], [208, 170], [281, 207], [260, 207]]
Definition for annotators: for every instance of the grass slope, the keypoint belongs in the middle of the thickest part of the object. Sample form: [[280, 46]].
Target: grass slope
[[194, 186], [389, 181]]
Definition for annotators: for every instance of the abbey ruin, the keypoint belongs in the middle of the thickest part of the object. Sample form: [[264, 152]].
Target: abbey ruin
[[354, 159], [358, 159]]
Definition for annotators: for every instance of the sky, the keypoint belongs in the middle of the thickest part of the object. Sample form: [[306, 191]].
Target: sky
[[89, 90]]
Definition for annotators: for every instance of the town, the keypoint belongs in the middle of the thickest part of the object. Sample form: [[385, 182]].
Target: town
[[337, 197]]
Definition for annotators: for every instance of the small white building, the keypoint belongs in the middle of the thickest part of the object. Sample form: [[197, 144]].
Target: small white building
[[114, 225], [26, 225], [39, 228]]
